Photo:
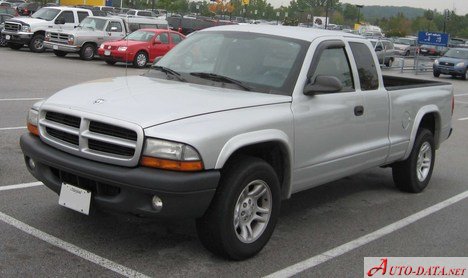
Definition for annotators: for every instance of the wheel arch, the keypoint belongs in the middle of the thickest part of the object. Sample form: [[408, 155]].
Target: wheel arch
[[40, 32], [273, 146], [427, 117]]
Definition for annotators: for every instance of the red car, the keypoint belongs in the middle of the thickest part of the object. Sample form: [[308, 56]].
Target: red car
[[140, 47]]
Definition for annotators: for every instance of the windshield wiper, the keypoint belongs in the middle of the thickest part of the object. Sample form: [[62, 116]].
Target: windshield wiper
[[221, 78], [167, 70]]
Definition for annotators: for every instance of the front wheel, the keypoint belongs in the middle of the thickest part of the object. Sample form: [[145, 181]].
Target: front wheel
[[465, 75], [37, 43], [436, 73], [389, 63], [87, 52], [413, 174], [244, 210]]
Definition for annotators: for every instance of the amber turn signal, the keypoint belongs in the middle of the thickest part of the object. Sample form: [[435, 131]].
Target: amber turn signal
[[33, 129], [184, 166]]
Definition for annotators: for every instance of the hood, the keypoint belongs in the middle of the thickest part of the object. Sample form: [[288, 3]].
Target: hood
[[28, 20], [125, 43], [82, 31], [150, 101]]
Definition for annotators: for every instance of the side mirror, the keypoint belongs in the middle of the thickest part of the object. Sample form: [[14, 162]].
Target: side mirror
[[156, 41], [60, 20], [113, 29], [323, 84]]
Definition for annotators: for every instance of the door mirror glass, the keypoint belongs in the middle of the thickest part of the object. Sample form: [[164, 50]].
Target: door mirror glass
[[323, 84]]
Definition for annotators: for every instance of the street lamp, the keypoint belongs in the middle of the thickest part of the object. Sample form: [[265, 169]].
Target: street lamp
[[359, 12]]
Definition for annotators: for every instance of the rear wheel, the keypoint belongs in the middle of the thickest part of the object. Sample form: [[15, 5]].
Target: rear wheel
[[87, 52], [59, 53], [15, 46], [37, 43], [244, 210], [413, 174], [140, 60]]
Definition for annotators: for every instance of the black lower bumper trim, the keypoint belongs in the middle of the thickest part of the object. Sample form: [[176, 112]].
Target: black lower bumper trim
[[121, 188]]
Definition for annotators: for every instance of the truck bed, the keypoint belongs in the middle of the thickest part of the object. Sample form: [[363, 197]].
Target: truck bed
[[393, 83]]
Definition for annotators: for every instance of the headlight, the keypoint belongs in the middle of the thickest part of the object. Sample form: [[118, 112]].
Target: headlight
[[436, 62], [122, 48], [170, 155], [47, 37], [33, 119], [71, 39], [26, 28], [460, 65]]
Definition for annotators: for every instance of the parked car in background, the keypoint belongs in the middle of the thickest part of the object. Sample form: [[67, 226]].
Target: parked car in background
[[8, 10], [15, 3], [457, 42], [136, 23], [3, 18], [385, 51], [137, 13], [187, 25], [454, 63], [27, 9], [140, 47], [405, 46], [30, 31], [432, 50], [87, 37]]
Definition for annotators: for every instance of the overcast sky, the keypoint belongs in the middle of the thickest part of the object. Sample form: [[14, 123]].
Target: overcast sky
[[461, 6]]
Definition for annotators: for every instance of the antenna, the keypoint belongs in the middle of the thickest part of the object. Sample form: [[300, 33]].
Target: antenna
[[126, 52]]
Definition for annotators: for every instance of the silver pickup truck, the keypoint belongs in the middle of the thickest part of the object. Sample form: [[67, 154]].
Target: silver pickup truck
[[229, 123], [93, 31]]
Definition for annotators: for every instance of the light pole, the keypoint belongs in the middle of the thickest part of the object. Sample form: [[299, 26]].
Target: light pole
[[359, 13]]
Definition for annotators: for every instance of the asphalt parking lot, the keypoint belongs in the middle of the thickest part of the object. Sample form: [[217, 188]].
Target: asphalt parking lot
[[323, 232]]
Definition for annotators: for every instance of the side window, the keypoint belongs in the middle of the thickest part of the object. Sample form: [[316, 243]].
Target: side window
[[365, 65], [175, 38], [163, 37], [82, 15], [131, 12], [114, 24], [68, 16], [334, 62]]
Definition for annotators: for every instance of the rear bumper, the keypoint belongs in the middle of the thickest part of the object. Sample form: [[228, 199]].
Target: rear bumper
[[61, 47], [120, 188]]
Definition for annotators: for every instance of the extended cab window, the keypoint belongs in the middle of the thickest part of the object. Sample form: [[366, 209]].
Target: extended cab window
[[68, 16], [334, 62], [82, 15], [367, 71]]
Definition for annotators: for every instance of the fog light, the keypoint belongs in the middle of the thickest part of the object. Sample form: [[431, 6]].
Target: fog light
[[31, 164], [157, 203]]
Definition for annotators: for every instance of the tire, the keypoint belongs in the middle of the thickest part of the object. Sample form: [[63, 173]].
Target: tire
[[218, 230], [436, 73], [414, 173], [15, 46], [110, 62], [59, 53], [140, 60], [407, 53], [37, 44], [465, 75], [389, 63], [3, 41], [87, 52]]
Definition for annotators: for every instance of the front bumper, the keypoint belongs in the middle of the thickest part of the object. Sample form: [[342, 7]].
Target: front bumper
[[449, 70], [18, 37], [116, 56], [61, 47], [120, 188]]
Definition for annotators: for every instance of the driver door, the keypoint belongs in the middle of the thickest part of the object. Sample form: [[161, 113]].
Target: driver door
[[159, 46], [69, 19]]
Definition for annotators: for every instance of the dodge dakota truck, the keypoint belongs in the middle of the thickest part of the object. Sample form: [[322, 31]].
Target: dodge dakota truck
[[230, 122]]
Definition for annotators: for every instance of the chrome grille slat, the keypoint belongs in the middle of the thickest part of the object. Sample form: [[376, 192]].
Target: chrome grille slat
[[10, 26], [92, 136]]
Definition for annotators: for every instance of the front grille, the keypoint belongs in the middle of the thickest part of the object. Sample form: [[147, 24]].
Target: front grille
[[110, 148], [63, 119], [59, 36], [64, 136], [95, 187], [446, 64], [14, 27], [117, 143], [113, 130]]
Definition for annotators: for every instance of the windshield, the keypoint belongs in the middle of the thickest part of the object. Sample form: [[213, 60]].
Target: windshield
[[403, 41], [94, 23], [142, 36], [264, 63], [46, 14], [457, 53]]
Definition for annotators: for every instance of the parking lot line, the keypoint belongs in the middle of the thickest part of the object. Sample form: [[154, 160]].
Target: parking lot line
[[21, 185], [89, 256], [19, 99], [354, 244], [463, 119], [12, 128]]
